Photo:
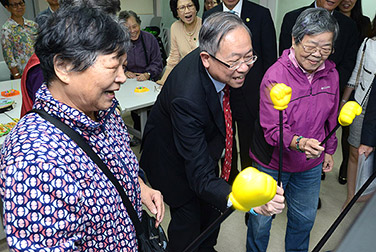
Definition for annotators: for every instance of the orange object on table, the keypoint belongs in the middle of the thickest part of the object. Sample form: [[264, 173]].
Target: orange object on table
[[11, 92]]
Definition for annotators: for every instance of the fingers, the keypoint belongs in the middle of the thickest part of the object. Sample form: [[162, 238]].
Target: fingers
[[312, 148]]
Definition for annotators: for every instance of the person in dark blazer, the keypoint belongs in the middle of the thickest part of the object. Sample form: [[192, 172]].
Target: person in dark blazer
[[245, 100], [344, 55], [185, 133], [368, 139]]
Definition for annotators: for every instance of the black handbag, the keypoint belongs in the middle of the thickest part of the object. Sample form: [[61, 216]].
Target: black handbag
[[150, 239]]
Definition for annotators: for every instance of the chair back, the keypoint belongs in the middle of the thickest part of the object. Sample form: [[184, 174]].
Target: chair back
[[4, 71]]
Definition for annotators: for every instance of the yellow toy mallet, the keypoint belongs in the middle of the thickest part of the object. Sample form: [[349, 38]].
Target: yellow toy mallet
[[251, 188]]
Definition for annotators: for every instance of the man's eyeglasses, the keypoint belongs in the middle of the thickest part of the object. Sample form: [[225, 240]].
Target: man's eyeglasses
[[324, 51], [188, 6], [15, 5], [248, 60]]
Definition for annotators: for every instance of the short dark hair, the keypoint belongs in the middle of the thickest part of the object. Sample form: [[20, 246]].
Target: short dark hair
[[124, 15], [174, 7], [5, 2], [108, 6], [78, 35]]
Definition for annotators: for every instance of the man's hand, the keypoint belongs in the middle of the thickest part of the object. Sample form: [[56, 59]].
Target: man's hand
[[365, 149], [153, 200], [275, 206], [328, 163]]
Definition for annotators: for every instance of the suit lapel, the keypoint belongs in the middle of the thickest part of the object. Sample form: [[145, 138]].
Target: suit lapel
[[213, 101]]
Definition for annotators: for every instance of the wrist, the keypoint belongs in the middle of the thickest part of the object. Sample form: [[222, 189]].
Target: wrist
[[252, 211], [297, 144], [343, 100]]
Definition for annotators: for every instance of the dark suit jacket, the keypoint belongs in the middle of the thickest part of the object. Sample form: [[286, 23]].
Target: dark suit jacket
[[346, 45], [259, 21], [369, 124], [184, 137]]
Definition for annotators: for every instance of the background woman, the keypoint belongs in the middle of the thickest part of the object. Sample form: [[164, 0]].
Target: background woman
[[208, 4], [362, 86], [310, 115], [183, 32], [64, 201], [17, 37], [353, 9]]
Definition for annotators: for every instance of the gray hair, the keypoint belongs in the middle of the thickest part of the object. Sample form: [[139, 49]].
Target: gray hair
[[314, 21], [215, 27], [124, 15]]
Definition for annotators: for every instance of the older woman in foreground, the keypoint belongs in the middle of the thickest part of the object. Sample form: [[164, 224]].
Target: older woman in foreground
[[55, 197], [309, 117]]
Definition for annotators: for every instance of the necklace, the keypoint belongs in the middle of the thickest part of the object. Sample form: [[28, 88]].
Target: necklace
[[190, 34], [193, 31]]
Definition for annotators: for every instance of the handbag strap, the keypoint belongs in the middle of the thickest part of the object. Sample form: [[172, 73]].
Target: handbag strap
[[80, 141], [361, 64]]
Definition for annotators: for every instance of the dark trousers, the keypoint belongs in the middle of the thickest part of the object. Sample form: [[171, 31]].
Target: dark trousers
[[345, 151], [188, 222]]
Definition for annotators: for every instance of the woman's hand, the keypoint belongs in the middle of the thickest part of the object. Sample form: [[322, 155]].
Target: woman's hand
[[328, 163], [365, 149], [130, 75], [153, 200], [143, 77], [275, 206], [311, 147]]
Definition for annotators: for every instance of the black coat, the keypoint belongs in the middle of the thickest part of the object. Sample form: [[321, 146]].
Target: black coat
[[245, 100], [184, 137], [346, 45]]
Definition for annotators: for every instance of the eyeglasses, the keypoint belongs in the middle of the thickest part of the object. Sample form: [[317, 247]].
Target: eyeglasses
[[15, 5], [324, 51], [248, 60], [189, 7]]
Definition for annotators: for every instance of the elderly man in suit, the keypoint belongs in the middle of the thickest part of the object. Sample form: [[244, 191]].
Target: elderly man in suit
[[189, 127], [53, 5], [245, 100], [344, 55]]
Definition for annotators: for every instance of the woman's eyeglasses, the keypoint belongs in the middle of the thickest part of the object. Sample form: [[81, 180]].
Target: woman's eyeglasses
[[188, 6]]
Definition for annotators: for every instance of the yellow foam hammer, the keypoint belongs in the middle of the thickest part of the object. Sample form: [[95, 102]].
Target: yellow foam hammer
[[280, 95], [349, 111], [141, 89], [252, 188]]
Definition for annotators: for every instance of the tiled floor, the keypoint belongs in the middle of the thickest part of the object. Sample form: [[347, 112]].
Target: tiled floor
[[233, 230]]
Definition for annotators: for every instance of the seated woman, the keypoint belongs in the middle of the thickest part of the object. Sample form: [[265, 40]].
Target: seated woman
[[64, 201], [17, 37], [183, 32], [309, 117], [144, 58]]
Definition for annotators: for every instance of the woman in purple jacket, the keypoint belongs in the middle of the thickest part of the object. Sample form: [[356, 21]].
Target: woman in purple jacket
[[310, 116]]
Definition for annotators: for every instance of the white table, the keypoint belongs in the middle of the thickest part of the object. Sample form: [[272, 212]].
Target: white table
[[138, 102], [16, 111]]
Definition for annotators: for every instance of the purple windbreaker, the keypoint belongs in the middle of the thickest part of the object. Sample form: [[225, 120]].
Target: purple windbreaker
[[312, 112]]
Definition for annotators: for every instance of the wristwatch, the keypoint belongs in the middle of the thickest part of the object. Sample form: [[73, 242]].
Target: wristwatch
[[16, 74], [149, 74]]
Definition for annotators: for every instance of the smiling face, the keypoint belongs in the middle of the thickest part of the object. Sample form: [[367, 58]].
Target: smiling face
[[16, 8], [312, 61], [93, 89], [235, 46], [133, 27], [187, 14], [328, 4], [346, 6]]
